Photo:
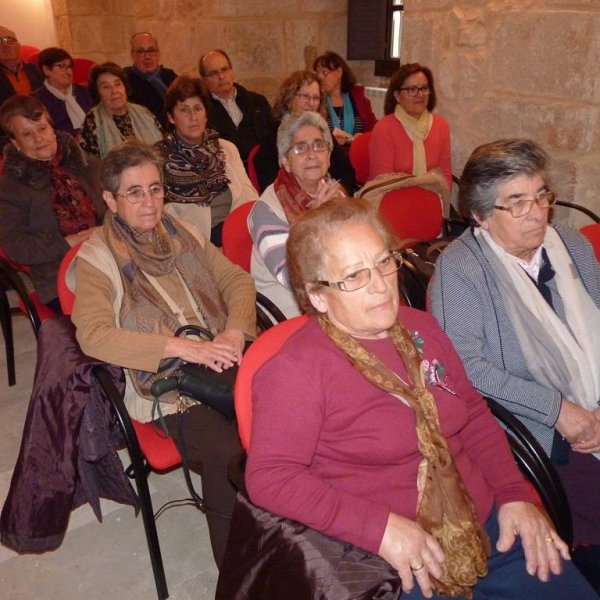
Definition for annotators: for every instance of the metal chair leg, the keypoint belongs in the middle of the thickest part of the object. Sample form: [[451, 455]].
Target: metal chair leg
[[140, 475], [7, 332]]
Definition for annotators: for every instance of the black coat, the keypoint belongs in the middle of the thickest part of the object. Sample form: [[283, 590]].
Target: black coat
[[257, 124]]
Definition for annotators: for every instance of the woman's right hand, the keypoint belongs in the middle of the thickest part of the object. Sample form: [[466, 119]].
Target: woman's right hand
[[82, 236], [214, 355], [579, 427], [412, 552]]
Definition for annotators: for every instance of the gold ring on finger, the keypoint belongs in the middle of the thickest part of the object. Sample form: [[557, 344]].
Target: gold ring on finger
[[418, 568], [549, 539]]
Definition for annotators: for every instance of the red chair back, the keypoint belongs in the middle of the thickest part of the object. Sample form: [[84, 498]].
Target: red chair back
[[413, 212], [265, 346], [592, 233], [359, 157], [26, 52], [252, 174], [65, 295], [81, 70], [236, 240], [33, 58]]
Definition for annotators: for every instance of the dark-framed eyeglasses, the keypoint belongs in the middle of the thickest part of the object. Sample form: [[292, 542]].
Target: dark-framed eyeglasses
[[137, 194], [388, 265], [144, 51], [413, 90], [64, 66], [318, 145], [217, 72], [522, 207], [7, 39]]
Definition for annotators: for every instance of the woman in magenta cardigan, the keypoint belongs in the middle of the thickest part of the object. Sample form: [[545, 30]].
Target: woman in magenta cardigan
[[366, 428], [410, 139], [349, 111]]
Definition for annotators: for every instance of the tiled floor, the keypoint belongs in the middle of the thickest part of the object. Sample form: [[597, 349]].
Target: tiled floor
[[98, 561]]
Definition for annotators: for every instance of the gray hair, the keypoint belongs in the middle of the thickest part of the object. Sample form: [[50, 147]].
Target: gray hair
[[132, 153], [290, 124], [493, 164]]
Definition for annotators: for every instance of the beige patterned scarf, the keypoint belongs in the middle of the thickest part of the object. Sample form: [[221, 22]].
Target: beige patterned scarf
[[168, 248], [417, 130], [444, 507]]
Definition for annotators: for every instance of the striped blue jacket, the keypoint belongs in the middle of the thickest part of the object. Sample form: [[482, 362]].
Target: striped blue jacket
[[466, 301]]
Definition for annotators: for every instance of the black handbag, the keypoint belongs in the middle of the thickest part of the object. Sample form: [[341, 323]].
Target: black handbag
[[199, 382]]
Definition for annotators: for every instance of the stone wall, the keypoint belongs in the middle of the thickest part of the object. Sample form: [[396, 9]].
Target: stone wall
[[503, 67], [509, 68]]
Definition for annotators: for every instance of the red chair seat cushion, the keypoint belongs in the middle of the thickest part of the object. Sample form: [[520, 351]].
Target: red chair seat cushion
[[161, 453]]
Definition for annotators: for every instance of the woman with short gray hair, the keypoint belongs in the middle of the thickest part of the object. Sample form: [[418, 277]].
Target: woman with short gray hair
[[304, 145], [520, 300]]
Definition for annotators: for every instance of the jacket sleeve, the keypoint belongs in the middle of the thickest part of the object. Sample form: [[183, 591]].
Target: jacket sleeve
[[242, 190]]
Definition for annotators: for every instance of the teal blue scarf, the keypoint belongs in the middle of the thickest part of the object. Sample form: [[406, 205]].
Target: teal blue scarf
[[347, 115]]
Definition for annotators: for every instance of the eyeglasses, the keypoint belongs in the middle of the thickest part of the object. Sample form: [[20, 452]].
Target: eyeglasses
[[64, 66], [413, 90], [303, 147], [520, 208], [217, 72], [148, 51], [361, 278], [309, 98], [8, 40], [137, 194]]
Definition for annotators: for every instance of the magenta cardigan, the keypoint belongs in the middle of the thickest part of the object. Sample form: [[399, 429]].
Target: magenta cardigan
[[332, 451]]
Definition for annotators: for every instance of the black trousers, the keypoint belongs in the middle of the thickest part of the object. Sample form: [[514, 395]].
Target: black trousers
[[210, 441]]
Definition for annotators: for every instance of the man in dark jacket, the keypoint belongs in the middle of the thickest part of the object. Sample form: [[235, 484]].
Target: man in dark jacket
[[239, 115], [148, 79]]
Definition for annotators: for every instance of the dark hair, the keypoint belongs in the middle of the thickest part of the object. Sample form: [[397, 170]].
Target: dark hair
[[332, 61], [306, 252], [19, 105], [493, 164], [107, 67], [131, 153], [290, 87], [397, 81], [50, 56], [200, 62], [181, 89]]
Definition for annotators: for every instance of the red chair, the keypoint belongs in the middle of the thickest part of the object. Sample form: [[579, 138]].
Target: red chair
[[33, 58], [81, 70], [26, 51], [236, 240], [359, 157], [413, 212], [252, 174], [266, 346], [592, 233]]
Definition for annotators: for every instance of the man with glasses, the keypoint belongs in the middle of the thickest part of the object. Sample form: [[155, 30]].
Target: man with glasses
[[16, 76], [148, 79], [239, 115]]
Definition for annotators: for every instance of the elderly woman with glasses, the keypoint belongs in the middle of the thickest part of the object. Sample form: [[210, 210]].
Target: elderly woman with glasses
[[367, 429], [66, 102], [520, 299], [301, 92], [304, 144], [138, 280], [410, 139], [114, 119]]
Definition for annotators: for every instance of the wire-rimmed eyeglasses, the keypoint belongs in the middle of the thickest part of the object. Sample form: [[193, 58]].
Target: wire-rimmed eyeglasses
[[317, 145], [522, 207], [359, 279], [136, 194]]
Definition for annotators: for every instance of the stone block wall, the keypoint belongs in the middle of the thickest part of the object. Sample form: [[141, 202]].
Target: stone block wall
[[503, 67], [507, 68]]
